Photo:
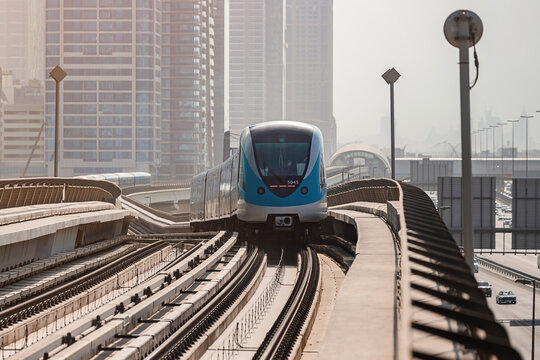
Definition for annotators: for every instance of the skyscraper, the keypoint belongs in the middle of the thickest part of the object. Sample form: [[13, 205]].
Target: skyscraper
[[21, 38], [21, 132], [309, 66], [221, 78], [256, 63], [110, 103], [187, 87]]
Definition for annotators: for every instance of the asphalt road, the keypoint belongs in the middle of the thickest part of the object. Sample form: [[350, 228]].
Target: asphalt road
[[515, 318]]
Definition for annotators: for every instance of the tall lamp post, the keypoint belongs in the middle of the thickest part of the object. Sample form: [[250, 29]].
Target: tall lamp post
[[463, 29], [391, 76], [526, 117], [475, 147], [513, 152], [533, 283], [493, 127], [58, 74], [502, 152], [487, 146]]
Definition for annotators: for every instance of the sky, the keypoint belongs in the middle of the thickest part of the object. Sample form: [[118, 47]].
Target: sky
[[372, 36]]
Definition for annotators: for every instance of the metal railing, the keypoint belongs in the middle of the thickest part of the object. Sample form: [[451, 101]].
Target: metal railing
[[35, 191], [440, 311]]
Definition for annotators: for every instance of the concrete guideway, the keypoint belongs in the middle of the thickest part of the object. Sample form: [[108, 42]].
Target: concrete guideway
[[439, 310], [368, 289], [34, 232]]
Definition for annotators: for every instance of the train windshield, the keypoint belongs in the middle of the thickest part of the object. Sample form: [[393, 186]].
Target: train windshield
[[282, 160]]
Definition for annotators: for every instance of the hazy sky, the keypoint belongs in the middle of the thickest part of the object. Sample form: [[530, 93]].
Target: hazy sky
[[373, 36]]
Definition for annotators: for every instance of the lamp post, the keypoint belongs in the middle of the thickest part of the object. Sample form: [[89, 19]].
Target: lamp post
[[58, 74], [502, 152], [529, 282], [526, 117], [391, 76], [487, 147], [463, 29], [513, 152], [493, 155]]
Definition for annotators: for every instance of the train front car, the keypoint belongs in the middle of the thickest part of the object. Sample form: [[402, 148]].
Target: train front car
[[282, 184]]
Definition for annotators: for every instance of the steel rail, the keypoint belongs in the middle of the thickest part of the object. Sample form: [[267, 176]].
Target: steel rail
[[283, 334], [45, 301], [180, 342]]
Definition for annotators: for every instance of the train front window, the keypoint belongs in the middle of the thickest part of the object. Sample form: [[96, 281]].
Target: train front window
[[283, 160], [281, 157]]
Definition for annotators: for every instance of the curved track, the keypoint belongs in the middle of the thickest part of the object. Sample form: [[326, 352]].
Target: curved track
[[180, 342], [41, 303], [281, 338]]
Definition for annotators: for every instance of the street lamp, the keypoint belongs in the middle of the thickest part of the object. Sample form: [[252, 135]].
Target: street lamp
[[463, 29], [526, 117], [502, 152], [58, 74], [487, 146], [391, 76], [529, 282], [493, 155], [513, 152]]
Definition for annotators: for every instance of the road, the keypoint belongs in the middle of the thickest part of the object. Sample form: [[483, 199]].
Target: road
[[515, 318]]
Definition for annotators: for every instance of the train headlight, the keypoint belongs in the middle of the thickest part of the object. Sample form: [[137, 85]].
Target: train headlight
[[304, 190], [260, 190]]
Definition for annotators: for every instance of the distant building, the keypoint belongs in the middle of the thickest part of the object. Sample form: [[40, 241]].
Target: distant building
[[21, 127], [21, 38], [256, 63], [111, 98], [187, 135], [221, 79], [309, 66]]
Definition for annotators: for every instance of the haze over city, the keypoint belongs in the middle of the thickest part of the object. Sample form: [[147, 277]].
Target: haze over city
[[371, 37]]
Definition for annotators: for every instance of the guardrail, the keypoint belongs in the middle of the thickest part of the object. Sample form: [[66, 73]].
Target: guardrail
[[437, 292], [505, 270], [35, 191], [440, 311]]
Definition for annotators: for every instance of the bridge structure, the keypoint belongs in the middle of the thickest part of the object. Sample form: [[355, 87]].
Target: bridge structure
[[408, 292]]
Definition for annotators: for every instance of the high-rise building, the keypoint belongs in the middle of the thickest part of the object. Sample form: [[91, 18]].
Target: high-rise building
[[274, 47], [256, 63], [246, 65], [221, 79], [187, 87], [309, 66], [21, 127], [21, 38], [111, 97]]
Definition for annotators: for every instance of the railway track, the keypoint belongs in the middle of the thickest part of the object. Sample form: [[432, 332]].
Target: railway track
[[43, 302], [113, 312], [280, 340], [184, 337]]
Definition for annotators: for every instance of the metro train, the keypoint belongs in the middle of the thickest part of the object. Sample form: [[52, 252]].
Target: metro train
[[275, 182]]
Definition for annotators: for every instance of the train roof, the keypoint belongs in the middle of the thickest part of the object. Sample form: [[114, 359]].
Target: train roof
[[295, 126]]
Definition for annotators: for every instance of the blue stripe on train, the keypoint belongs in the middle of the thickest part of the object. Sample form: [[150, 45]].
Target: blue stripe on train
[[315, 193]]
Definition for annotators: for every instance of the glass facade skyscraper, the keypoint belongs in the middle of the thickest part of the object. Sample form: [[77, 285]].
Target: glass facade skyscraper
[[187, 87], [111, 98]]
